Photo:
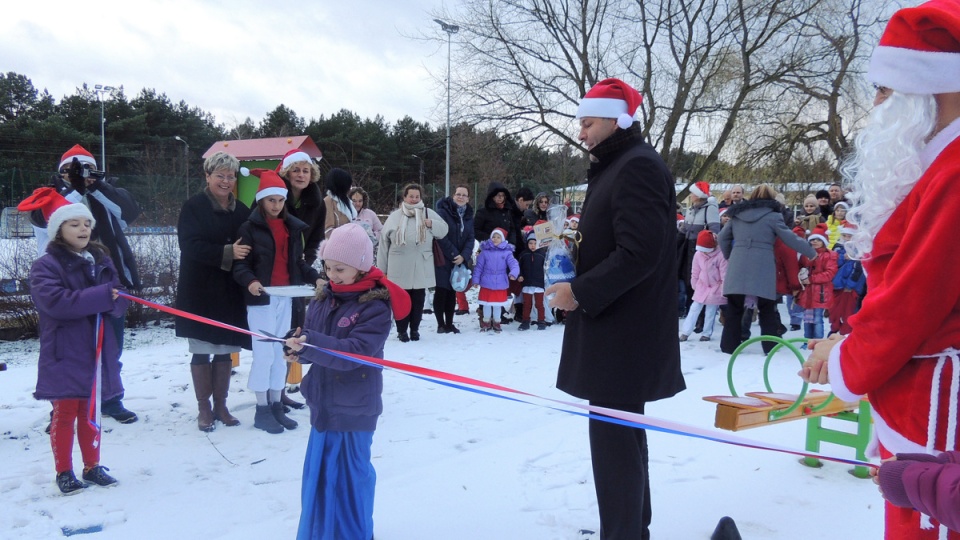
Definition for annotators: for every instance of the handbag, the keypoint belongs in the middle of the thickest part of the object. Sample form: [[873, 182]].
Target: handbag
[[460, 278], [438, 258]]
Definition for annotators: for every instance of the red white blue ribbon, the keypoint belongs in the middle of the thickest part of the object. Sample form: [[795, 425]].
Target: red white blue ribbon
[[93, 408], [478, 386]]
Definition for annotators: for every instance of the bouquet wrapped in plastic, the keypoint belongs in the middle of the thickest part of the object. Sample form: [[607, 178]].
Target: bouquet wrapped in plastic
[[560, 265]]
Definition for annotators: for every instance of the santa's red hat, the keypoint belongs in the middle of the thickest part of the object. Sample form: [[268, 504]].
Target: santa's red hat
[[80, 153], [501, 232], [45, 199], [270, 184], [293, 156], [820, 232], [706, 241], [919, 51], [701, 189], [611, 98]]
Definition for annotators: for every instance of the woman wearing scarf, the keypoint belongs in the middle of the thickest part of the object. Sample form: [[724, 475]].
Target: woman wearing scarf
[[406, 254], [339, 208]]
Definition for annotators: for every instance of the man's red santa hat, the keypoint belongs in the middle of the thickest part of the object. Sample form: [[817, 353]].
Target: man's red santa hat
[[919, 52], [80, 153], [611, 98]]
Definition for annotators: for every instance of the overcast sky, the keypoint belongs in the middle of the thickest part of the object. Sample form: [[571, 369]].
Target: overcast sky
[[237, 58]]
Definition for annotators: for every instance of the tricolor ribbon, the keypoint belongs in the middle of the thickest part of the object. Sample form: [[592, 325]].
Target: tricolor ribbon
[[481, 387], [93, 410]]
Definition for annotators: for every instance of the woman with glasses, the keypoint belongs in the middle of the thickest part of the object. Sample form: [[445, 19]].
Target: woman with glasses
[[457, 247], [209, 245]]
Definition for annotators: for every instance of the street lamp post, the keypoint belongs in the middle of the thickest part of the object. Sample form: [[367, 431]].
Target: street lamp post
[[186, 164], [421, 168], [101, 90], [450, 29]]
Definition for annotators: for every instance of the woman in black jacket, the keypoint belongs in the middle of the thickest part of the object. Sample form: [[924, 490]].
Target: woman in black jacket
[[304, 199], [457, 247], [209, 247], [498, 211]]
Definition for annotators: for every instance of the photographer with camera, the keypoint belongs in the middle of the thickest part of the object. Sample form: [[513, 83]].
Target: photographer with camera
[[113, 208]]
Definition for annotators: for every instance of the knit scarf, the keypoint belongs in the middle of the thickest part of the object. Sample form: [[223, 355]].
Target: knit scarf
[[418, 212], [399, 298], [345, 208]]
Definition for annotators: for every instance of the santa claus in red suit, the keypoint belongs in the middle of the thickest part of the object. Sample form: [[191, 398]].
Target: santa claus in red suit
[[904, 350]]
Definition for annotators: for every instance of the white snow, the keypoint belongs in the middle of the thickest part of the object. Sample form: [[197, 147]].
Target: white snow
[[450, 463]]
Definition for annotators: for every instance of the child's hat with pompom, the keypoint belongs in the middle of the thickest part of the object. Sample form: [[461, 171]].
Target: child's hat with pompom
[[350, 245], [706, 241], [820, 232]]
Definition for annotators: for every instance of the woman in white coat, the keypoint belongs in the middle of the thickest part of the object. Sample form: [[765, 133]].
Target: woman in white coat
[[406, 254]]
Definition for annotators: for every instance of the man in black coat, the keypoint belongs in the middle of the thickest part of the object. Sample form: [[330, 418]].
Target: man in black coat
[[619, 345]]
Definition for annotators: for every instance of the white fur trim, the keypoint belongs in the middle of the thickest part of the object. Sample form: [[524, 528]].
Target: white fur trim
[[915, 72], [82, 158], [602, 108], [705, 249], [698, 192], [266, 192], [624, 121], [296, 157], [819, 237], [837, 383], [68, 212]]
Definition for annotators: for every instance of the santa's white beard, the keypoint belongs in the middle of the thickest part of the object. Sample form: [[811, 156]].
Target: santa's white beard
[[886, 164]]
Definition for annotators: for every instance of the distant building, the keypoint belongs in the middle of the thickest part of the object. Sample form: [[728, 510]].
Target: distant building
[[15, 224], [261, 154]]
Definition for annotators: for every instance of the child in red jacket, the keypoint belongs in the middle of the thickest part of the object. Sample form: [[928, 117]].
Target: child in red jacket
[[817, 292]]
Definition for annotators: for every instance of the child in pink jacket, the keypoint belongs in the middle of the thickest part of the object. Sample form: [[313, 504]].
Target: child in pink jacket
[[706, 275]]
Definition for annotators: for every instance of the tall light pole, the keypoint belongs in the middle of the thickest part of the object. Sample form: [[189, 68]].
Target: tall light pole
[[450, 29], [101, 90], [186, 164], [421, 168]]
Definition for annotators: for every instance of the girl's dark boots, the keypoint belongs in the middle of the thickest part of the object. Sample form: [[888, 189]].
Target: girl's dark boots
[[282, 418], [203, 387], [264, 419], [221, 388], [68, 483]]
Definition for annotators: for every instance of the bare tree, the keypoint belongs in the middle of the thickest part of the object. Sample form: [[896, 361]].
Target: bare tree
[[709, 71]]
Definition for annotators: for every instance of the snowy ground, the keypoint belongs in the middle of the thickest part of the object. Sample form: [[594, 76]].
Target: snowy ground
[[450, 464]]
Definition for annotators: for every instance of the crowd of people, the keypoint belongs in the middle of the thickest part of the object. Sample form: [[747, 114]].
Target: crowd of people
[[765, 255], [735, 256]]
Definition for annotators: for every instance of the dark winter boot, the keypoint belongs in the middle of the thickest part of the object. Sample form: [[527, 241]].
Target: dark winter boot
[[282, 418], [541, 325], [288, 401], [68, 483], [265, 420], [203, 387], [221, 388], [114, 408], [98, 475], [525, 325], [726, 530]]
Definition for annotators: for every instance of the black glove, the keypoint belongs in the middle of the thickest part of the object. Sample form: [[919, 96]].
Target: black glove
[[287, 351], [75, 175]]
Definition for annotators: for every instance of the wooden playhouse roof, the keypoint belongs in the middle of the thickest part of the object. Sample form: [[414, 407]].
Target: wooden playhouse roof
[[260, 149]]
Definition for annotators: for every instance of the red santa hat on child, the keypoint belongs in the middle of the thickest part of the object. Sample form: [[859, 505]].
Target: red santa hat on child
[[293, 156], [820, 232], [501, 232], [847, 228], [80, 153], [55, 208], [706, 241], [575, 217], [270, 184], [700, 189], [45, 199], [919, 51], [611, 98]]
